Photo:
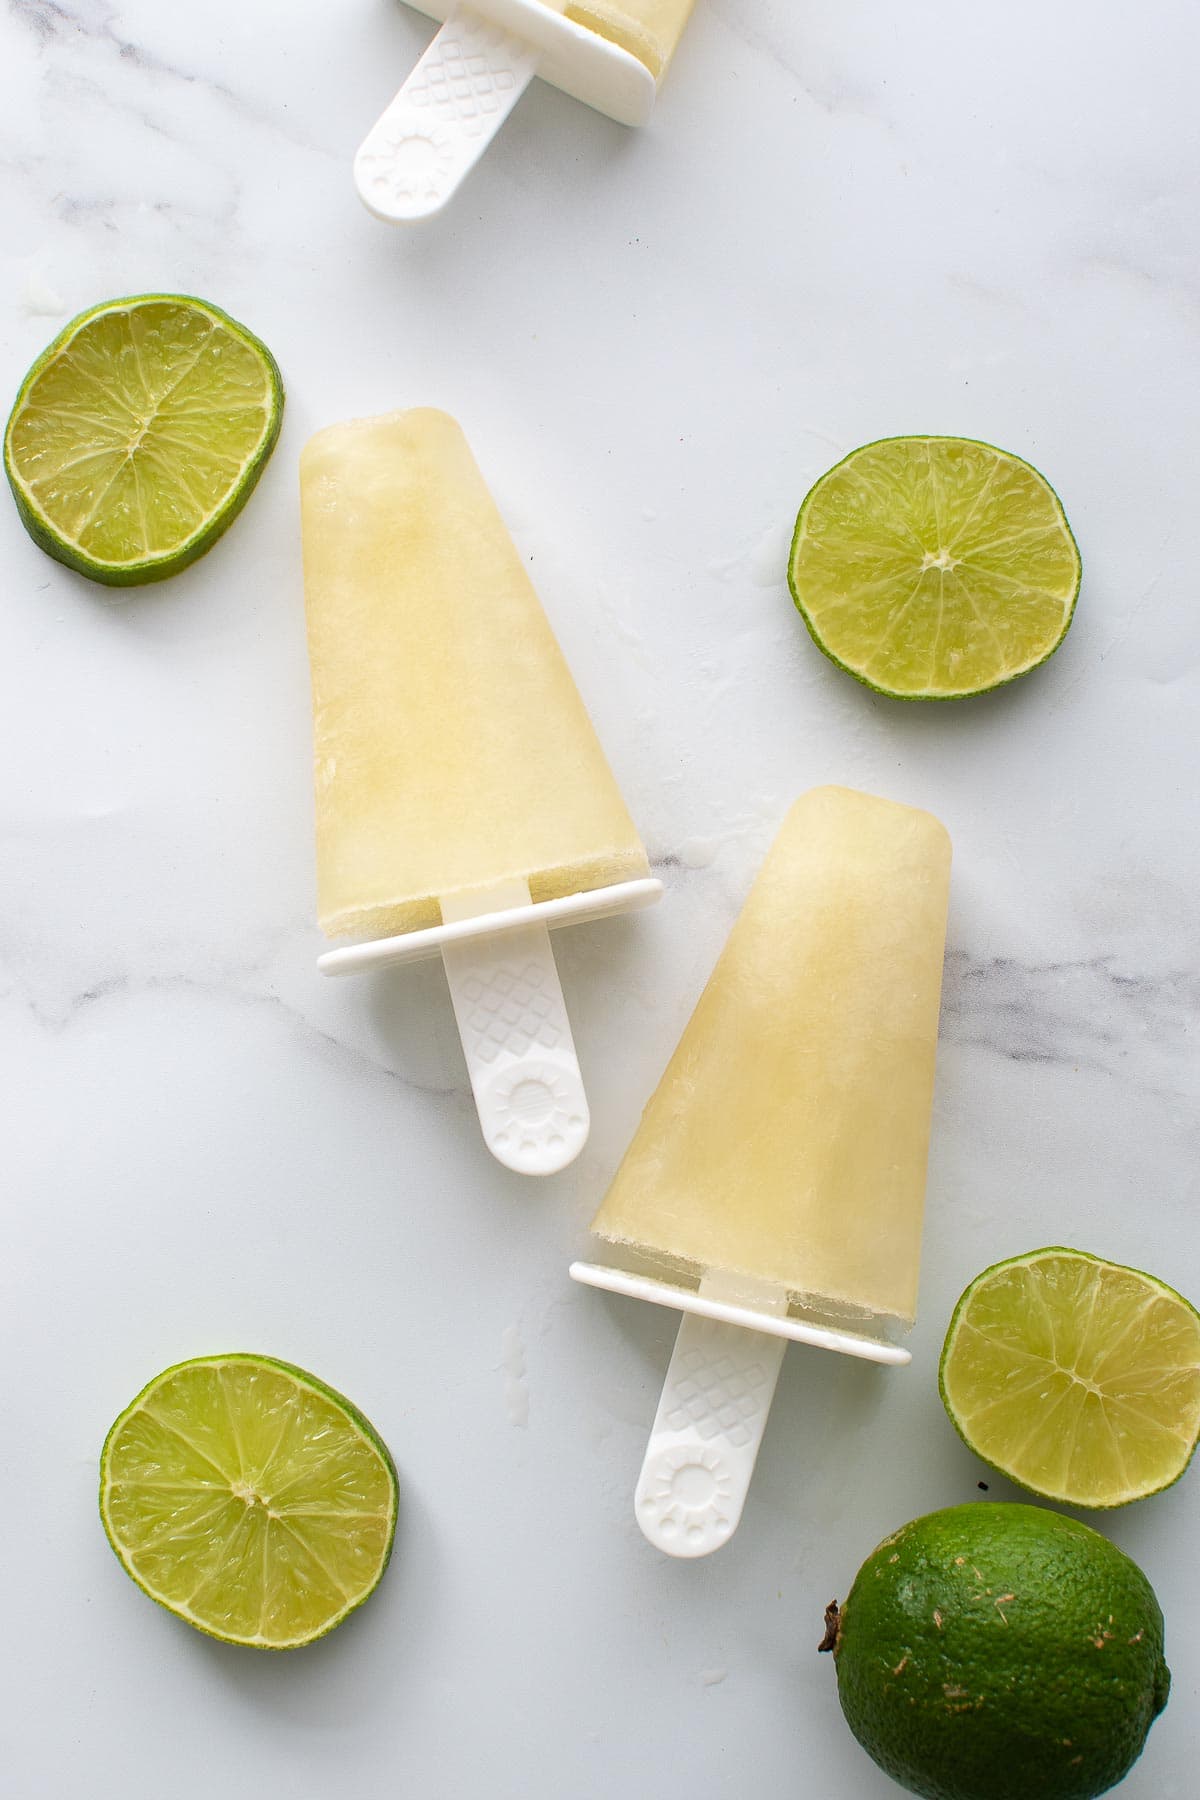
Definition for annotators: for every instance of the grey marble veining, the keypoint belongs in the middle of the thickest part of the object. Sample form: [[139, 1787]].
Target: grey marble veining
[[1088, 1013]]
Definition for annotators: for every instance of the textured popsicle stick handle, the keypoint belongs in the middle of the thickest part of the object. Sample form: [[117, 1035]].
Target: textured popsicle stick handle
[[516, 1037], [705, 1438], [443, 119]]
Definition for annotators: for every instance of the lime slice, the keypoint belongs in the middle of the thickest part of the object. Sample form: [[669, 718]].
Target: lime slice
[[249, 1499], [139, 435], [1077, 1378], [934, 568]]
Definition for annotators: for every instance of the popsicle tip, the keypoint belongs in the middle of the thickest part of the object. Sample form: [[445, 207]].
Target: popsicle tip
[[544, 1146], [416, 156], [688, 1503], [534, 1113], [409, 180]]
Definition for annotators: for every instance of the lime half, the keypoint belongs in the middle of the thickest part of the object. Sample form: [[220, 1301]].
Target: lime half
[[1077, 1378], [249, 1499], [934, 568], [139, 435]]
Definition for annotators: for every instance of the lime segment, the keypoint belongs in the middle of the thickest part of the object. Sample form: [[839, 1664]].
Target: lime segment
[[139, 434], [249, 1499], [934, 568], [1077, 1378]]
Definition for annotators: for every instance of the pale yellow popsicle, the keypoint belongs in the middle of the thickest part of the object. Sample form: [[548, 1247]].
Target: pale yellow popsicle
[[452, 749], [648, 29], [788, 1139]]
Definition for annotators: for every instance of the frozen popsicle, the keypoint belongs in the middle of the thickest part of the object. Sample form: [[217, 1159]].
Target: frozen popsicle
[[611, 54], [777, 1178], [650, 31], [463, 802]]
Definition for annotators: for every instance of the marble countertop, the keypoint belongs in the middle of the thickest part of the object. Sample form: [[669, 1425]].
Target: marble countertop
[[842, 223]]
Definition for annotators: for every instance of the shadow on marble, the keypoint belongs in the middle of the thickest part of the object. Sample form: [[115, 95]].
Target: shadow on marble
[[409, 1012]]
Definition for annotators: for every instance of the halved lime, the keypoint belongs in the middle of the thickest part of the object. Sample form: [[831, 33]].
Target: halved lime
[[249, 1499], [1077, 1378], [933, 568], [138, 436]]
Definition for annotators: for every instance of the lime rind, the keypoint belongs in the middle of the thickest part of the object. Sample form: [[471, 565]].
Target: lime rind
[[215, 516], [302, 1379], [1084, 1434], [897, 541], [999, 1651]]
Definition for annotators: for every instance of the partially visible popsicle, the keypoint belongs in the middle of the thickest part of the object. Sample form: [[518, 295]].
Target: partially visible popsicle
[[463, 802], [650, 31], [611, 54], [777, 1178]]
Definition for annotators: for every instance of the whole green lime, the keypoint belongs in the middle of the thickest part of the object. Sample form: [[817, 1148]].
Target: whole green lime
[[1000, 1652]]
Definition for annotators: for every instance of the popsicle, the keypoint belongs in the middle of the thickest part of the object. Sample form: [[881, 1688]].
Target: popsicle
[[463, 802], [775, 1186], [611, 54], [650, 31]]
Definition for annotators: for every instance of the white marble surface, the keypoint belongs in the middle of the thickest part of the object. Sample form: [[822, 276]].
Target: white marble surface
[[845, 221]]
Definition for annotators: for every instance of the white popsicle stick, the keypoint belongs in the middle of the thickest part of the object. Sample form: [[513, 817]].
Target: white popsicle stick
[[516, 1037], [716, 1399], [443, 119], [710, 1422], [495, 946], [422, 148]]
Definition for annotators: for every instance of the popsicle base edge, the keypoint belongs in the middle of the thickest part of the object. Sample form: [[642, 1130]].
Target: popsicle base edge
[[796, 1329], [419, 946]]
